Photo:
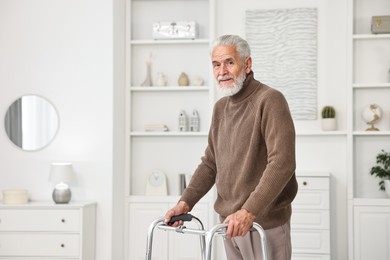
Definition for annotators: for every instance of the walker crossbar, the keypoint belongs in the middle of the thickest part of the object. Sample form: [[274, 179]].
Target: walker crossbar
[[206, 237]]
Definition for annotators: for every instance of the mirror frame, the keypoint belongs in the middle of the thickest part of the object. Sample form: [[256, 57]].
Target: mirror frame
[[40, 128]]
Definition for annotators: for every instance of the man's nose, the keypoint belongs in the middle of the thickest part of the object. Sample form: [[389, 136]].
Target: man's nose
[[222, 70]]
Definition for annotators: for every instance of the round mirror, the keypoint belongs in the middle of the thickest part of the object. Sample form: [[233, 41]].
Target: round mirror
[[31, 122]]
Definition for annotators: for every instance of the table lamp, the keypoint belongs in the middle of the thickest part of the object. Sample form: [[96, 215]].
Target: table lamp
[[61, 174]]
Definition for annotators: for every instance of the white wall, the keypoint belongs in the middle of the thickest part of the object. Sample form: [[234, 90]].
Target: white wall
[[314, 153], [62, 50]]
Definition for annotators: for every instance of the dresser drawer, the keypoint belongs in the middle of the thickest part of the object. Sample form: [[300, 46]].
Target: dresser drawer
[[313, 183], [311, 200], [29, 258], [313, 193], [310, 219], [39, 220], [310, 241], [37, 244]]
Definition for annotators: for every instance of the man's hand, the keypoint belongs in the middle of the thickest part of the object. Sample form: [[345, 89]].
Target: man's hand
[[180, 208], [239, 223]]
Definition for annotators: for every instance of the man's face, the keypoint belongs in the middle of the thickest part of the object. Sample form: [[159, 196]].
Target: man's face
[[228, 68]]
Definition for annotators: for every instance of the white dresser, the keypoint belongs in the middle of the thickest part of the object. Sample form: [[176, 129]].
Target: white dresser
[[310, 222], [47, 231]]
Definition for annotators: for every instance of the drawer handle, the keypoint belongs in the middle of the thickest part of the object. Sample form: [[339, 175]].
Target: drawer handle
[[62, 245], [304, 183], [63, 220]]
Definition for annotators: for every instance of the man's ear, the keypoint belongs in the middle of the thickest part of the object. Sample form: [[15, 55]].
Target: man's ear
[[248, 64]]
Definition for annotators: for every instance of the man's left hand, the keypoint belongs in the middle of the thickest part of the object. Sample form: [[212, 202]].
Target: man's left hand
[[239, 223]]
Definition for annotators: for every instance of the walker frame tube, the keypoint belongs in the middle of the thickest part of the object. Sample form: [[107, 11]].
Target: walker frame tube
[[206, 237]]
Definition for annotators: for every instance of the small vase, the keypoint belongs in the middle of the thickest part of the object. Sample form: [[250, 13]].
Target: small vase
[[183, 80], [161, 80], [329, 124], [148, 79]]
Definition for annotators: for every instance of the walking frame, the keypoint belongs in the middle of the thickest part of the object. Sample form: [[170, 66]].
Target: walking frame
[[206, 237]]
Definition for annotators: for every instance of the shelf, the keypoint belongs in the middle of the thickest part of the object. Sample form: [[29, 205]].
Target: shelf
[[173, 41], [371, 36], [169, 88], [371, 133], [168, 134], [190, 134], [370, 85], [322, 133]]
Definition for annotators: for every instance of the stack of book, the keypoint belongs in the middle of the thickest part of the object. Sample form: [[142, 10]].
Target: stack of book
[[156, 128]]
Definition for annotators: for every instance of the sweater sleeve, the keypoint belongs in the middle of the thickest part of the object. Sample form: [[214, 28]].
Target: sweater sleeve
[[277, 128]]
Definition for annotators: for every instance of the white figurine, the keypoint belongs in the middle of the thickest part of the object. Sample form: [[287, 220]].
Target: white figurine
[[182, 121], [194, 122], [198, 81], [161, 79]]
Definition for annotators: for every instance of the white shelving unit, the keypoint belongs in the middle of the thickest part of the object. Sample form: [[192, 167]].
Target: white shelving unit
[[369, 61], [163, 104], [172, 152]]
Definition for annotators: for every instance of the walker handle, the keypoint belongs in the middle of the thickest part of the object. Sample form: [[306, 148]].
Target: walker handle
[[184, 217]]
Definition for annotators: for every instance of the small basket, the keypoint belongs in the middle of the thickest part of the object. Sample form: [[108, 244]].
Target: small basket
[[15, 196]]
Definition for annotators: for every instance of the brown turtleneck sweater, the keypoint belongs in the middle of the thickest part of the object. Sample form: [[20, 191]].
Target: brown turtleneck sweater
[[250, 156]]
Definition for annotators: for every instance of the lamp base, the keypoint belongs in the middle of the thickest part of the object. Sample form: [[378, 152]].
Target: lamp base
[[62, 194]]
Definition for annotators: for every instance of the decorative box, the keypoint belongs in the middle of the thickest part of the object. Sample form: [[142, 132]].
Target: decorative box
[[380, 24], [15, 196], [175, 30]]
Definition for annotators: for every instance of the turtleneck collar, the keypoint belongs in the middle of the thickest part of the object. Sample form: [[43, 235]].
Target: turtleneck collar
[[247, 89]]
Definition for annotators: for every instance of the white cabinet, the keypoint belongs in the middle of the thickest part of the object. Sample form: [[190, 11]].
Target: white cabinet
[[47, 231], [368, 83], [166, 245], [372, 229], [310, 222]]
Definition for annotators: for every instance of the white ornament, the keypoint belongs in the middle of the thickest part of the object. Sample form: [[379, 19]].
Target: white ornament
[[161, 80], [194, 121], [182, 121], [371, 115]]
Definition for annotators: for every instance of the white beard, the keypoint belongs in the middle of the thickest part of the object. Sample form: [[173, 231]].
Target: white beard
[[235, 88]]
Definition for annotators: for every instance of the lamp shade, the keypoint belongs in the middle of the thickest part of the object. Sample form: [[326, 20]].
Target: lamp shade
[[61, 172]]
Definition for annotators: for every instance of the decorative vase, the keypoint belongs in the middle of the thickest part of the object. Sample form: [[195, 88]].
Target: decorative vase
[[387, 187], [183, 80], [148, 79], [198, 81], [329, 124]]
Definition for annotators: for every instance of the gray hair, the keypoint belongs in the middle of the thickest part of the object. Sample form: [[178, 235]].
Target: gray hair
[[241, 45]]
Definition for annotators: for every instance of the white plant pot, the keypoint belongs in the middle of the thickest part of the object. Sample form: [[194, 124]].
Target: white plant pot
[[387, 188], [329, 124]]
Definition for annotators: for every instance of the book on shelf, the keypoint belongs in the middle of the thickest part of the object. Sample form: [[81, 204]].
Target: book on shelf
[[156, 128]]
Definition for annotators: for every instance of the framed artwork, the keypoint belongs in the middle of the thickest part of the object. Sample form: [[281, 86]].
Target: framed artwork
[[284, 52]]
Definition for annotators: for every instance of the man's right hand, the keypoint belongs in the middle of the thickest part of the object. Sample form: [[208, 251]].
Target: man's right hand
[[180, 208]]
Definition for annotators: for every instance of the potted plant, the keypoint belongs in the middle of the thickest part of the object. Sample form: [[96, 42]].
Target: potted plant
[[328, 115], [382, 171]]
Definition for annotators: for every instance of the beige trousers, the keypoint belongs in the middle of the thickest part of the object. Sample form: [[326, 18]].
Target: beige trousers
[[248, 247]]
